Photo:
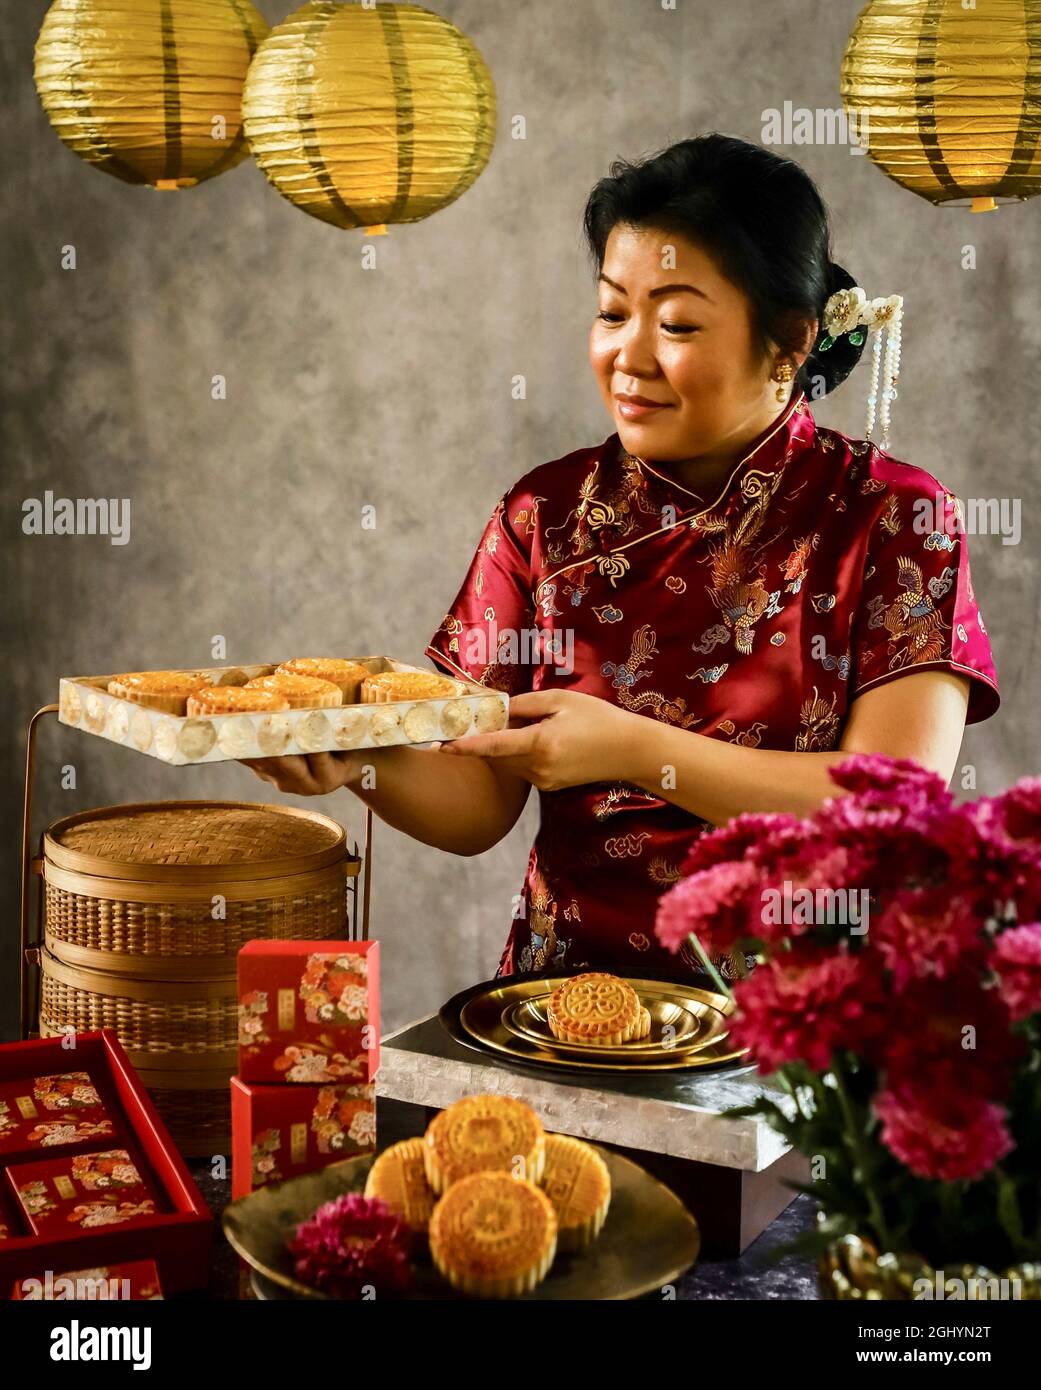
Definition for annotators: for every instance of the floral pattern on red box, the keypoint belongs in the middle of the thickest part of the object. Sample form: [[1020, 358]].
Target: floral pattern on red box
[[112, 1169], [54, 1133], [36, 1198], [95, 1189], [308, 1011], [51, 1112], [72, 1090], [343, 1119], [88, 1214], [334, 989], [279, 1132], [252, 1008], [265, 1162]]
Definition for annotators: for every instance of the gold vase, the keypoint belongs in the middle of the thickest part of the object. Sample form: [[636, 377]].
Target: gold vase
[[852, 1268]]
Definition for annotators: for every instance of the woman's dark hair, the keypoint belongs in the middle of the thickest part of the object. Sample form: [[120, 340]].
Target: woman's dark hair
[[761, 219]]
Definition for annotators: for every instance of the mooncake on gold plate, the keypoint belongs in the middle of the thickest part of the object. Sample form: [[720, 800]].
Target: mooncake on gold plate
[[595, 1008], [302, 692], [643, 1026], [385, 686], [493, 1235], [347, 675], [398, 1175], [167, 691], [480, 1134], [234, 699], [578, 1184]]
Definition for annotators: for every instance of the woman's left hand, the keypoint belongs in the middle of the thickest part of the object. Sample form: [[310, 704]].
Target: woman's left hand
[[567, 739]]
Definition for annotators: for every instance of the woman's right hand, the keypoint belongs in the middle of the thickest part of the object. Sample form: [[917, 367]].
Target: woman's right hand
[[313, 774]]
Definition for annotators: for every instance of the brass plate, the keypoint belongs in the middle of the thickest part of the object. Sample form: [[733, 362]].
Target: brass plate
[[481, 1025], [695, 1025], [621, 1263]]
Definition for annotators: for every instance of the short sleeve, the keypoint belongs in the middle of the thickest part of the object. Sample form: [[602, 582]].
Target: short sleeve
[[490, 624], [917, 609]]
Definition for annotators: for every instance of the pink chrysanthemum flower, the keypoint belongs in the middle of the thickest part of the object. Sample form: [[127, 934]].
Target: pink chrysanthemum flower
[[1016, 960], [801, 1008], [719, 905], [351, 1243], [943, 1132]]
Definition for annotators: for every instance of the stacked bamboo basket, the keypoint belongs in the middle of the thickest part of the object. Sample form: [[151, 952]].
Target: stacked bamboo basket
[[146, 909]]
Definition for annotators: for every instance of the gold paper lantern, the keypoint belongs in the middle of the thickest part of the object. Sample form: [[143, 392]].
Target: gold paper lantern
[[367, 115], [951, 96], [149, 91]]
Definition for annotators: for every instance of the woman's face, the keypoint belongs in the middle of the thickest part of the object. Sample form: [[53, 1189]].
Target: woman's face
[[681, 337]]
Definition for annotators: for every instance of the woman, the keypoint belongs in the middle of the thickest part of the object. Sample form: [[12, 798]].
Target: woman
[[727, 599]]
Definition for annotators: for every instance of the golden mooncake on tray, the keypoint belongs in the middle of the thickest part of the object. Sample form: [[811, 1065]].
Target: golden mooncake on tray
[[493, 1235], [346, 675], [385, 686], [595, 1008], [302, 692], [235, 699], [578, 1184], [398, 1176], [482, 1134], [167, 691]]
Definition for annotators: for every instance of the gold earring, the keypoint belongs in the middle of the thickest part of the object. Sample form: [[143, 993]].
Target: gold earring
[[783, 373]]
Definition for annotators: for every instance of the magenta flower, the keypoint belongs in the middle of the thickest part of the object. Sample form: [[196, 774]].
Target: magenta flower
[[719, 905], [943, 1132], [1016, 960], [800, 1007], [351, 1243]]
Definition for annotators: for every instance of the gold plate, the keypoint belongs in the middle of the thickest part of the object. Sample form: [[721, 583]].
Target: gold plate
[[480, 1024], [621, 1263], [695, 1026]]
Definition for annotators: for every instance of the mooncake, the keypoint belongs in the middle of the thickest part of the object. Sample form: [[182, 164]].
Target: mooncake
[[167, 691], [578, 1184], [594, 1008], [643, 1026], [347, 675], [482, 1133], [493, 1235], [302, 692], [406, 685], [399, 1176], [234, 699]]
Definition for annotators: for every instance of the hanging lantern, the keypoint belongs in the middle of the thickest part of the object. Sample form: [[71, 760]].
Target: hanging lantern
[[149, 91], [366, 115], [950, 96]]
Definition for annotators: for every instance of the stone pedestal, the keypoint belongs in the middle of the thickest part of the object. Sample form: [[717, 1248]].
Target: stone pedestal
[[729, 1172]]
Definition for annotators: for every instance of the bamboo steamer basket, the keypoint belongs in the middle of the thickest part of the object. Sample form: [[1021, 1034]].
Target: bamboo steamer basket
[[146, 908]]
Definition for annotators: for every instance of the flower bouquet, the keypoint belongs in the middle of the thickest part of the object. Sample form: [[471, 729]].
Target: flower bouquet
[[896, 999]]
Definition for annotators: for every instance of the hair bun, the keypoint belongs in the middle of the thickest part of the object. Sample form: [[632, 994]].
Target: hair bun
[[823, 371]]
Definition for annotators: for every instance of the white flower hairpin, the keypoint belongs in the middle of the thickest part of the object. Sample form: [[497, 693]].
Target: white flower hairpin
[[849, 311]]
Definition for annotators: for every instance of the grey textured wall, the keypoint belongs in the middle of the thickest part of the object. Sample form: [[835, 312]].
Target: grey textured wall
[[392, 387]]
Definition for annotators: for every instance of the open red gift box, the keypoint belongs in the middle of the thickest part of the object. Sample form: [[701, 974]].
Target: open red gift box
[[177, 1237]]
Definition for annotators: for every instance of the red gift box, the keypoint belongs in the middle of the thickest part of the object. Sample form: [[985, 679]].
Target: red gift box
[[309, 1011], [178, 1239], [95, 1189], [137, 1280], [11, 1225], [280, 1131], [39, 1114]]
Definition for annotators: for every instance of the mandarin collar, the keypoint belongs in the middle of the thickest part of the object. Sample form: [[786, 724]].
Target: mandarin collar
[[791, 431]]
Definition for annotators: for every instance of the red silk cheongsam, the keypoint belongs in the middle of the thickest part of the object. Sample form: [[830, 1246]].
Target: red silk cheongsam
[[824, 569]]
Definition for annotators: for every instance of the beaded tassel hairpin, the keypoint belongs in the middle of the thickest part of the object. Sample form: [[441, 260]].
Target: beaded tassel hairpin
[[850, 311]]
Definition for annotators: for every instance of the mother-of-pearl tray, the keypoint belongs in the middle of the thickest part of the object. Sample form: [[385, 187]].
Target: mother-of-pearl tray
[[84, 703]]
